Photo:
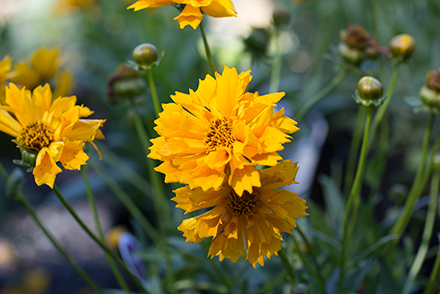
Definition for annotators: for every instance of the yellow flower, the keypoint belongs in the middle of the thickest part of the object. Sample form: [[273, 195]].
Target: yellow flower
[[54, 130], [69, 6], [44, 66], [5, 67], [193, 9], [244, 226], [220, 133]]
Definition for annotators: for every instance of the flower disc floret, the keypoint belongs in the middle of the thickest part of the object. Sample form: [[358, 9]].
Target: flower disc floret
[[219, 133], [53, 130], [249, 225]]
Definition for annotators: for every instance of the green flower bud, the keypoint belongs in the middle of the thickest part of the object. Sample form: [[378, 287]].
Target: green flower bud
[[402, 47], [28, 158], [369, 92], [125, 83], [351, 55], [145, 54], [430, 97]]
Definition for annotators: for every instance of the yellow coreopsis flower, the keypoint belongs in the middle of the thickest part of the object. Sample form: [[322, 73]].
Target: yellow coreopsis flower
[[44, 66], [249, 225], [219, 134], [5, 67], [54, 130], [193, 9]]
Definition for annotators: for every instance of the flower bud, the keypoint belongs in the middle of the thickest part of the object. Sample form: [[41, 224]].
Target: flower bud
[[430, 92], [125, 83], [145, 54], [351, 55], [402, 47], [369, 92], [280, 17]]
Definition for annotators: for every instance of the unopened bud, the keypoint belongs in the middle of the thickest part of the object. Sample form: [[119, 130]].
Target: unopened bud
[[369, 92], [351, 55], [145, 54], [402, 47]]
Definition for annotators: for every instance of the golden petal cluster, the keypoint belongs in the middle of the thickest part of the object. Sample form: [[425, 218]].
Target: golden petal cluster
[[249, 225], [54, 129], [192, 13], [44, 66], [219, 133]]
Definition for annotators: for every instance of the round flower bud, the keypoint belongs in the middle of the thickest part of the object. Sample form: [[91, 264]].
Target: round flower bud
[[369, 92], [402, 46], [280, 17], [370, 88], [351, 55], [430, 97], [145, 54]]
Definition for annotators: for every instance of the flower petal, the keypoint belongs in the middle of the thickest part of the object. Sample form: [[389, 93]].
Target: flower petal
[[45, 169]]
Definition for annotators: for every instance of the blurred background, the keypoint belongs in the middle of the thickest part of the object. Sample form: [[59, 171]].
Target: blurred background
[[96, 37]]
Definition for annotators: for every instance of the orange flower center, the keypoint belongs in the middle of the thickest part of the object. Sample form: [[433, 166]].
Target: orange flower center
[[243, 205], [35, 136], [219, 134]]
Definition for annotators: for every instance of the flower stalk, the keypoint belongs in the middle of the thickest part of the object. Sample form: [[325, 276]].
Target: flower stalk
[[207, 50], [92, 202], [321, 94], [153, 92], [354, 198], [101, 244], [72, 263], [417, 186], [427, 233]]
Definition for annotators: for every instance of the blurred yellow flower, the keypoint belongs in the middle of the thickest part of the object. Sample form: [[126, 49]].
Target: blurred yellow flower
[[5, 67], [191, 14], [44, 66], [247, 226], [52, 129], [69, 6], [219, 134]]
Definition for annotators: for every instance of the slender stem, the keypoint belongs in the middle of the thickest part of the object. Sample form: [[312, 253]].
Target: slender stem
[[311, 251], [137, 214], [160, 198], [276, 65], [75, 266], [434, 279], [354, 148], [287, 266], [126, 201], [354, 196], [153, 92], [97, 241], [318, 278], [3, 171], [110, 262], [373, 13], [207, 50], [417, 187], [321, 94], [382, 109], [426, 236]]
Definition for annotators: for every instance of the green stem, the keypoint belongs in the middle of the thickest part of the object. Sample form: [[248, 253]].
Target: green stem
[[321, 94], [126, 201], [316, 276], [96, 239], [426, 236], [207, 50], [79, 270], [160, 198], [3, 171], [373, 13], [382, 109], [354, 196], [110, 262], [137, 214], [417, 185], [287, 266], [312, 253], [153, 92], [354, 148], [434, 279], [276, 65]]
